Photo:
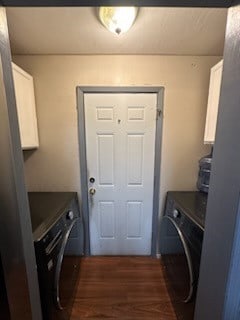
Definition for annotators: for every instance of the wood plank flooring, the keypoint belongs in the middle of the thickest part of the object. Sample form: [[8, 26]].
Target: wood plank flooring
[[122, 288]]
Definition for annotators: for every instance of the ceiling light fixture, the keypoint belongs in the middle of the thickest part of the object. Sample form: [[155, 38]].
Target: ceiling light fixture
[[118, 19]]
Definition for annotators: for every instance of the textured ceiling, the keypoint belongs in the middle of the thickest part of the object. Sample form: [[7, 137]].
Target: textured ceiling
[[173, 31]]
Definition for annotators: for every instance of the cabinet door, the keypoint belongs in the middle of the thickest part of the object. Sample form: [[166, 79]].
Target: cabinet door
[[25, 99], [213, 100]]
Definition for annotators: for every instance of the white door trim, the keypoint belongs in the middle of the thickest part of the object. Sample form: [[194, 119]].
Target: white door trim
[[81, 90]]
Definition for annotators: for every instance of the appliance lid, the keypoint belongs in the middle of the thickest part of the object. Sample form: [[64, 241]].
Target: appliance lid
[[46, 208], [193, 204]]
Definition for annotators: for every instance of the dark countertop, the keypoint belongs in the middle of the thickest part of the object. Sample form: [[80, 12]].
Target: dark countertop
[[193, 204], [46, 208]]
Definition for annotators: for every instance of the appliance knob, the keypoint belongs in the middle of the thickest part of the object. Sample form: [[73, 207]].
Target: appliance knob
[[70, 215], [176, 213]]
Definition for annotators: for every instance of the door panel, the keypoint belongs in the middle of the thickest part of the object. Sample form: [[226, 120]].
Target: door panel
[[107, 220], [105, 159], [134, 219], [135, 159], [120, 141]]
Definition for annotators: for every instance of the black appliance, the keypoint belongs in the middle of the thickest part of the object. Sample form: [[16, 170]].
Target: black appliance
[[204, 172], [181, 236], [58, 241]]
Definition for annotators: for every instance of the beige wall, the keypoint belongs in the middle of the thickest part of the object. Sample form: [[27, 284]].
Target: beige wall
[[55, 166]]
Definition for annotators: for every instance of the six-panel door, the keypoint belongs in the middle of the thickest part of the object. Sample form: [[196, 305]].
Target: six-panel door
[[120, 141]]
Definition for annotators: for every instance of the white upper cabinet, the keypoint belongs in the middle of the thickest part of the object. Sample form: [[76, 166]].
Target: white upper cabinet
[[213, 101], [26, 109]]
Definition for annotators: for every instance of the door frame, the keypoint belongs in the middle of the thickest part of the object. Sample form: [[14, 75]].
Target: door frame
[[81, 90]]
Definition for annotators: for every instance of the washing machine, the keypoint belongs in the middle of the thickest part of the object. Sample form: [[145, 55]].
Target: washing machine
[[181, 237], [58, 242]]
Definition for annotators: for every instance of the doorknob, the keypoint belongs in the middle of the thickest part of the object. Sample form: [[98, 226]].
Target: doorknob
[[92, 191]]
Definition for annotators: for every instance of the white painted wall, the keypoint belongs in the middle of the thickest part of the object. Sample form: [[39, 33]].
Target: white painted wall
[[55, 165]]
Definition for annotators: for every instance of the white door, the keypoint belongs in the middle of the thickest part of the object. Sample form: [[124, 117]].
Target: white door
[[120, 143]]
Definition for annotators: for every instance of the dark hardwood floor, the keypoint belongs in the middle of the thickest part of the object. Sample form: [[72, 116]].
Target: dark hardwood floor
[[122, 288]]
